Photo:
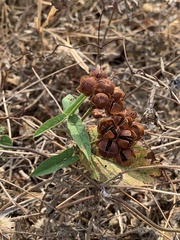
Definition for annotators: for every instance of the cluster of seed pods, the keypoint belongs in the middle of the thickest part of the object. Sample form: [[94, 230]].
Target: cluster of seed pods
[[117, 128]]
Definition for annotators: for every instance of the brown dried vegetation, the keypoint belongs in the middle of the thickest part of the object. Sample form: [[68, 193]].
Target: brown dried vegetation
[[41, 61]]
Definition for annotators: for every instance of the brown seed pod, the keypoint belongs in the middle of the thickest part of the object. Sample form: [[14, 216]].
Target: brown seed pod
[[126, 134], [100, 100], [134, 137], [105, 85], [96, 113], [87, 85], [118, 94], [98, 73], [109, 135], [108, 148], [121, 122], [138, 129], [130, 113], [130, 120], [125, 139], [115, 108], [122, 143], [105, 124], [125, 156]]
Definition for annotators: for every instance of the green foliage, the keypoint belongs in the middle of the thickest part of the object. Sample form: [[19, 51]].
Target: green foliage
[[77, 132], [1, 129], [61, 117], [5, 140], [67, 101], [52, 164]]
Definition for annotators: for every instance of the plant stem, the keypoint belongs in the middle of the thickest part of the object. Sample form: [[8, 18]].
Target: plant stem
[[86, 114]]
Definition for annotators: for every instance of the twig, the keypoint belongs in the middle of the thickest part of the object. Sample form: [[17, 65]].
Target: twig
[[68, 199], [25, 149], [165, 145], [174, 200], [60, 109], [138, 214], [76, 202], [7, 115], [167, 65], [39, 80]]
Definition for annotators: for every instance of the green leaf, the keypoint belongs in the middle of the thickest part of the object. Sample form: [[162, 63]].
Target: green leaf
[[75, 105], [60, 118], [1, 129], [52, 164], [79, 134], [5, 140], [49, 124], [103, 169], [111, 27], [67, 101]]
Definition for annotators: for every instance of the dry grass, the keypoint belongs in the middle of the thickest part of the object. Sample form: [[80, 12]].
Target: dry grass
[[41, 61]]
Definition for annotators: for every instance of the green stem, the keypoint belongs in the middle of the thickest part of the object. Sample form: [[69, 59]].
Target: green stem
[[75, 105], [86, 114]]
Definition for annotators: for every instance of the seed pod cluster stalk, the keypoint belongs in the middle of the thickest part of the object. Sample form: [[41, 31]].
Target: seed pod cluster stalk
[[118, 130]]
